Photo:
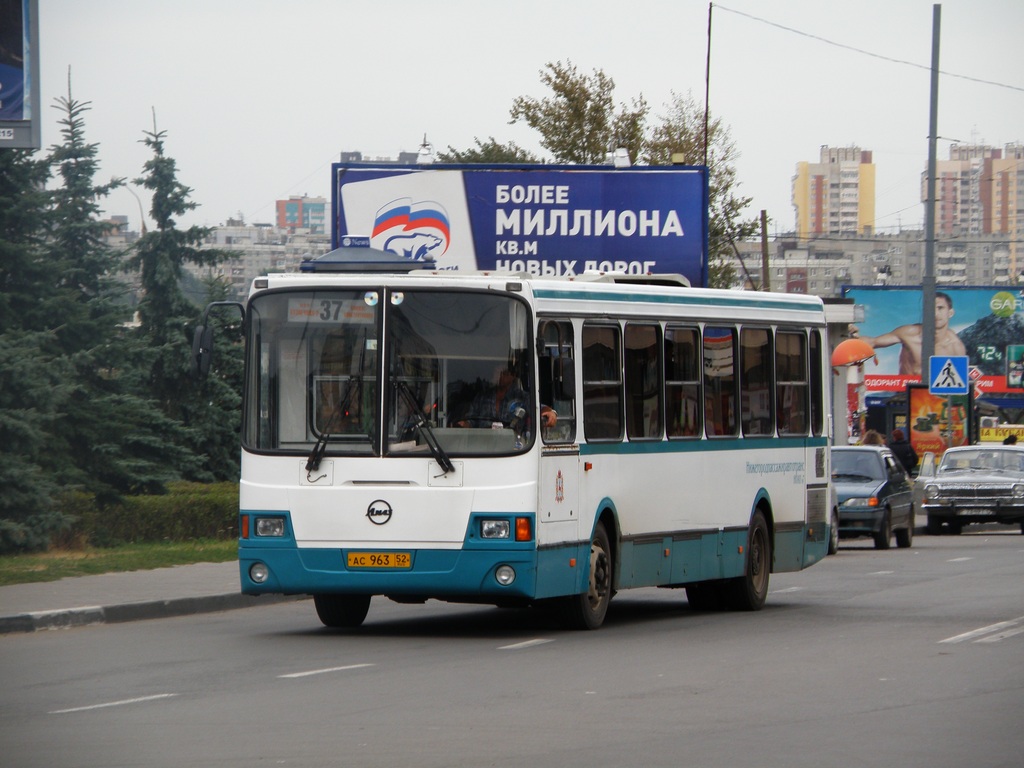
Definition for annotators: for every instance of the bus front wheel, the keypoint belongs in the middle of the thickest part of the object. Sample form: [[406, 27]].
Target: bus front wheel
[[587, 610], [341, 611]]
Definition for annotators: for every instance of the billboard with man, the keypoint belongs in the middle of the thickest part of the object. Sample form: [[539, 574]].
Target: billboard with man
[[986, 324], [542, 219]]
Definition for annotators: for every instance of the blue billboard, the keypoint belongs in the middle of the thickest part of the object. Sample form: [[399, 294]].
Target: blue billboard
[[543, 219], [19, 74]]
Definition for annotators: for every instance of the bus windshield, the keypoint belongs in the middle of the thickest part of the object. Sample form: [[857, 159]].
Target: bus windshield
[[382, 372]]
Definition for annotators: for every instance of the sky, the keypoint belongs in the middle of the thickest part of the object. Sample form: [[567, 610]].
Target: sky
[[258, 98]]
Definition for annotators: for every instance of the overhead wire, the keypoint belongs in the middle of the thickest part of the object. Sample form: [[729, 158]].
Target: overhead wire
[[872, 54]]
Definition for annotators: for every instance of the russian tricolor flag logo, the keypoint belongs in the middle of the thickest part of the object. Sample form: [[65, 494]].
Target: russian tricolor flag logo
[[416, 231]]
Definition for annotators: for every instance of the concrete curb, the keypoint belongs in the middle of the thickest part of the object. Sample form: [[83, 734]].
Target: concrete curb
[[150, 609]]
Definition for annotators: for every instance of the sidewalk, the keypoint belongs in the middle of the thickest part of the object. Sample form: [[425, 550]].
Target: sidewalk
[[116, 597]]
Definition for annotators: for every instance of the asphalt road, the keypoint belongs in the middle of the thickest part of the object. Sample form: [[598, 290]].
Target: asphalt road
[[897, 658]]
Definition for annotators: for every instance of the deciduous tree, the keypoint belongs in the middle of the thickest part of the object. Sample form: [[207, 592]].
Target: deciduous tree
[[578, 123]]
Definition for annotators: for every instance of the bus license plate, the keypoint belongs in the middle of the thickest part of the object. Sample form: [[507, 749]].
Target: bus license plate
[[379, 560]]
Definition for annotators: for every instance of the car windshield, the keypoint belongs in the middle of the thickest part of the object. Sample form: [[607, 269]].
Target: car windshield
[[981, 460], [856, 465]]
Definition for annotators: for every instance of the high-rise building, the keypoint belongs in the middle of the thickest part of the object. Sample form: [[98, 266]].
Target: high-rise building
[[836, 195], [979, 190], [302, 213]]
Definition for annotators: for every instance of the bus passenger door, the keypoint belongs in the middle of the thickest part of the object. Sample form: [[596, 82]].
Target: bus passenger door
[[558, 483], [558, 513]]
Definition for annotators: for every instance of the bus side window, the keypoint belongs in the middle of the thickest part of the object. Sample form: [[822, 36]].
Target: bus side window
[[643, 381], [791, 374], [756, 388], [720, 411], [683, 413], [602, 382], [817, 384], [556, 375]]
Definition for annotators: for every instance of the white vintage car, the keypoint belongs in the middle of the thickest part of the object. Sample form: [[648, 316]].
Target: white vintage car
[[972, 484]]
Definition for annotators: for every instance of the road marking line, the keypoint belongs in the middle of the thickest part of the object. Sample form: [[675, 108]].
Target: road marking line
[[881, 573], [1001, 635], [787, 589], [525, 644], [959, 559], [121, 703], [311, 672], [983, 631]]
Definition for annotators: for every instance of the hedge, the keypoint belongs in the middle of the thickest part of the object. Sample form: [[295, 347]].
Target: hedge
[[187, 512]]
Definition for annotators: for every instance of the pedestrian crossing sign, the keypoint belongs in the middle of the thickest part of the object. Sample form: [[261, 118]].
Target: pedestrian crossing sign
[[948, 375]]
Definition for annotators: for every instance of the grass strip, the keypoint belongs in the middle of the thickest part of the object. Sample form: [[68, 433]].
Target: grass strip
[[61, 563]]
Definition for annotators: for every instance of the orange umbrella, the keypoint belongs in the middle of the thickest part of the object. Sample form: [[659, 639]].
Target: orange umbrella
[[852, 352]]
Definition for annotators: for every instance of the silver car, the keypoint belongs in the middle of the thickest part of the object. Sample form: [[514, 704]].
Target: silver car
[[973, 484]]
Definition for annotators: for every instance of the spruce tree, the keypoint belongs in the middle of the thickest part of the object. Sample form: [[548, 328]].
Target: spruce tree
[[33, 380], [118, 441], [208, 410]]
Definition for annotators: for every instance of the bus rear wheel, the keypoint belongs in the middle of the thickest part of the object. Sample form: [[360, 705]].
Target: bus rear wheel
[[587, 610], [749, 591], [341, 611]]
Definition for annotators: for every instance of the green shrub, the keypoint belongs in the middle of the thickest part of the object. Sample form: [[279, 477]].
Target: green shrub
[[187, 512]]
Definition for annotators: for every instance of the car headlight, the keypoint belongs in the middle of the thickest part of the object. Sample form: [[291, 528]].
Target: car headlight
[[862, 501], [1018, 490], [931, 491]]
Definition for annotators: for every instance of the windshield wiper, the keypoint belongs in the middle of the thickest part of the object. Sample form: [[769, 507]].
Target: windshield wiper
[[320, 447], [424, 428]]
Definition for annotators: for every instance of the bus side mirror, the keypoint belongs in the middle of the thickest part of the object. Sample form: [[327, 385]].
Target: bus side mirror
[[202, 351], [202, 338]]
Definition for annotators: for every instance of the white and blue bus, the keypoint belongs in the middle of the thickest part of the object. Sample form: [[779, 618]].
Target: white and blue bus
[[688, 444]]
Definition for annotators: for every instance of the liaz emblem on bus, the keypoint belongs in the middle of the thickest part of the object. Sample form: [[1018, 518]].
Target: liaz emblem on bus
[[379, 512]]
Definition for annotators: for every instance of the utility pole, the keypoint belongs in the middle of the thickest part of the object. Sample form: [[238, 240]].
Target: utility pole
[[928, 283], [766, 280]]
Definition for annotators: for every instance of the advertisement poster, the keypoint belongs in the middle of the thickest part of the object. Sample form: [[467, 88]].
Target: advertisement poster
[[13, 47], [986, 324], [937, 421], [542, 219]]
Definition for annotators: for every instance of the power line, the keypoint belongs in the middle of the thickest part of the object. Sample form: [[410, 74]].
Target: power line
[[869, 53]]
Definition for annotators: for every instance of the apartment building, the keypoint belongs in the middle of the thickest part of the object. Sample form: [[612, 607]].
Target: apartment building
[[302, 214], [979, 191], [823, 266], [836, 195]]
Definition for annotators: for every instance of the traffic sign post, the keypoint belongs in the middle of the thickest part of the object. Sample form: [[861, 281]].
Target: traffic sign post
[[948, 375]]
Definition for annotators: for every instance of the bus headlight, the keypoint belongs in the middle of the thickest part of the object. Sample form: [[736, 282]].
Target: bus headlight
[[505, 574], [270, 526], [259, 572], [494, 529]]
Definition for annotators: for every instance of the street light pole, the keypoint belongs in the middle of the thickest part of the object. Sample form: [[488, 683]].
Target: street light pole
[[142, 216], [928, 283]]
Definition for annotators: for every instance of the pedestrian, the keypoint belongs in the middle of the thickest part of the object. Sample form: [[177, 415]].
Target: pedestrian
[[871, 437], [903, 450]]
